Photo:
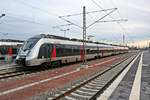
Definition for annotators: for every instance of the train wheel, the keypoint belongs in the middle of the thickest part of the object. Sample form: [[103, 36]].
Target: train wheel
[[56, 63], [76, 59], [45, 65]]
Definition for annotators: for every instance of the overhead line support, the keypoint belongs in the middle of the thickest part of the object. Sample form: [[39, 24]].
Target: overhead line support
[[69, 22], [87, 12], [84, 36], [102, 17]]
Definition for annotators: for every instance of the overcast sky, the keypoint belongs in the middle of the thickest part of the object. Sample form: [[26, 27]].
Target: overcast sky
[[25, 18]]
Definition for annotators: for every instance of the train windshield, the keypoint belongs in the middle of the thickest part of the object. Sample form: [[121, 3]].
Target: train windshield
[[30, 43]]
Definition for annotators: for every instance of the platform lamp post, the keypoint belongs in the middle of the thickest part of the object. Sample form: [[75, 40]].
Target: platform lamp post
[[149, 47], [2, 15], [65, 30]]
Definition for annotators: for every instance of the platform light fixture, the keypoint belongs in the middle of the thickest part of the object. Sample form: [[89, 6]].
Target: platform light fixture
[[2, 15]]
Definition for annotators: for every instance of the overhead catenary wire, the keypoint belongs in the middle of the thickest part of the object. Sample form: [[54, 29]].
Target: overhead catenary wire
[[36, 8], [11, 33], [123, 28], [19, 18], [91, 17], [117, 10], [19, 15], [119, 20], [119, 16], [61, 25], [110, 16], [97, 11], [26, 31], [111, 11], [4, 33], [105, 11], [40, 9], [102, 17], [70, 22]]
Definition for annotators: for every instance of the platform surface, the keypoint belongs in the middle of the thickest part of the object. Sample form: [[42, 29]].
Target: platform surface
[[135, 85]]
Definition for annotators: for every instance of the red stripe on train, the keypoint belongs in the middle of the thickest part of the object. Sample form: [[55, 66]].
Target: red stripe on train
[[53, 54], [10, 51], [81, 53]]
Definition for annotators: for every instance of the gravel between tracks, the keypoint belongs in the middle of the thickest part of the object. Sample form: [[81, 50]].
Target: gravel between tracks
[[60, 90], [53, 86]]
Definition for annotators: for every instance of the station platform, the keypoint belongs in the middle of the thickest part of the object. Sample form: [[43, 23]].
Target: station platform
[[4, 64], [133, 83], [7, 66]]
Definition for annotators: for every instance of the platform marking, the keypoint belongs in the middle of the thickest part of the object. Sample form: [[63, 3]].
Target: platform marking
[[107, 93], [135, 92], [44, 80]]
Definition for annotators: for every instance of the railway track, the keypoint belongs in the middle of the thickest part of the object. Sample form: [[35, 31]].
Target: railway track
[[17, 71], [11, 73], [93, 86]]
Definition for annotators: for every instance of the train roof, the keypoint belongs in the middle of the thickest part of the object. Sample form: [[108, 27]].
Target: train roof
[[10, 42], [50, 36], [73, 39]]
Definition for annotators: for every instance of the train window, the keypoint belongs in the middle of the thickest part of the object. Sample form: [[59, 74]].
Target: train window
[[76, 50], [59, 50], [73, 50], [42, 51], [4, 51], [45, 51], [88, 51], [30, 43], [49, 50], [67, 50]]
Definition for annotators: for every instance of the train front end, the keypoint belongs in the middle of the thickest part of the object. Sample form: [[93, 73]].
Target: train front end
[[26, 52]]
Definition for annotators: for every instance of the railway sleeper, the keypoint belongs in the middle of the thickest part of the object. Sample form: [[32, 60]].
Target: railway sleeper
[[80, 96]]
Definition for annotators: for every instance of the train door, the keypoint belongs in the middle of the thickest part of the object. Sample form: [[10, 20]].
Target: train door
[[45, 51]]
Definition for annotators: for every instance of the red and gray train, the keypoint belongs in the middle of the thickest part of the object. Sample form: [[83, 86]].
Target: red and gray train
[[47, 49], [9, 47]]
